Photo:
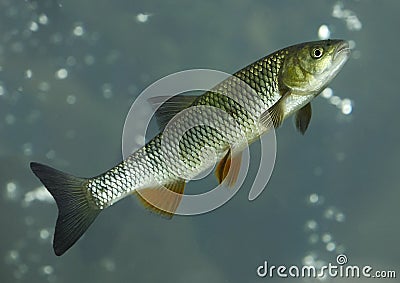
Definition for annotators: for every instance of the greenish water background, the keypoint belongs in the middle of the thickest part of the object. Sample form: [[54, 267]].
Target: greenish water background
[[111, 52]]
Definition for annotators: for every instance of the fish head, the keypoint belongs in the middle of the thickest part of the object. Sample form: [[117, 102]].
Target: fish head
[[309, 67]]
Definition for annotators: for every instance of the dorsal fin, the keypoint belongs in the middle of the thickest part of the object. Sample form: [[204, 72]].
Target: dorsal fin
[[170, 107]]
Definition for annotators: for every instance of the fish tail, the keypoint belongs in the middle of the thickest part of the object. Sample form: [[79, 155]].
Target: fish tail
[[76, 208]]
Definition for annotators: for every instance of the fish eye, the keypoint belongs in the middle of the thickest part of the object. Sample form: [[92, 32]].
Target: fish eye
[[317, 52]]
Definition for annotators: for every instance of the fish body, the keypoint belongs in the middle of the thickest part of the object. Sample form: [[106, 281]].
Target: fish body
[[195, 132]]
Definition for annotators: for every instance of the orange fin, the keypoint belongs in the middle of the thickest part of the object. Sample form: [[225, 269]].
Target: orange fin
[[225, 172], [163, 200]]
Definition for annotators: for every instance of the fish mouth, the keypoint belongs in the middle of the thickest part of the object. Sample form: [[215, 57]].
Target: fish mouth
[[342, 50]]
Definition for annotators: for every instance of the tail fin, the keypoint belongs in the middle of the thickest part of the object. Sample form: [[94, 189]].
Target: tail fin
[[76, 210]]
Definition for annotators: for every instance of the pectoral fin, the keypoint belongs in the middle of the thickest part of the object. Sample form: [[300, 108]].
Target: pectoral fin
[[273, 117], [302, 118], [163, 200], [170, 107], [228, 168]]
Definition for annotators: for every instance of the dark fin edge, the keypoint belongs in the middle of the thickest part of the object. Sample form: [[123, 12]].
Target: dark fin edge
[[76, 211]]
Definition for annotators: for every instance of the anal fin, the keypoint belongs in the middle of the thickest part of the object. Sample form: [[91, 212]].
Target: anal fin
[[163, 200]]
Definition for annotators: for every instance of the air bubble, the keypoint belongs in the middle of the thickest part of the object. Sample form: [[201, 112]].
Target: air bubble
[[47, 269], [44, 86], [330, 247], [312, 225], [340, 217], [89, 60], [107, 91], [327, 93], [27, 149], [43, 19], [346, 106], [44, 234], [62, 74], [11, 191], [33, 26], [324, 32], [28, 74], [78, 31], [142, 17], [326, 238], [71, 99], [335, 100], [313, 198], [10, 119]]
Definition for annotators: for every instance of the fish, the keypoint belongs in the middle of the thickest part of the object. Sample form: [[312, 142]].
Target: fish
[[225, 119]]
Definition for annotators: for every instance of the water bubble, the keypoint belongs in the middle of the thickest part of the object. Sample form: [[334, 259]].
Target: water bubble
[[351, 19], [27, 149], [352, 44], [311, 225], [43, 19], [313, 198], [2, 91], [11, 191], [335, 100], [51, 154], [346, 106], [39, 194], [330, 247], [309, 259], [17, 47], [324, 32], [28, 74], [142, 17], [33, 26], [71, 61], [10, 119], [326, 238], [313, 239], [78, 30], [71, 99], [329, 213], [89, 59], [107, 90], [47, 269], [340, 217], [44, 234], [56, 38], [44, 86], [327, 93], [61, 74], [12, 256], [29, 221], [108, 264]]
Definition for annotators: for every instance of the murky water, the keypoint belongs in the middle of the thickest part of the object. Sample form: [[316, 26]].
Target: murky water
[[69, 71]]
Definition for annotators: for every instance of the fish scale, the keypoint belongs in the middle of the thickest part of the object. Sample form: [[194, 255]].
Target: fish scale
[[249, 102], [240, 87]]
